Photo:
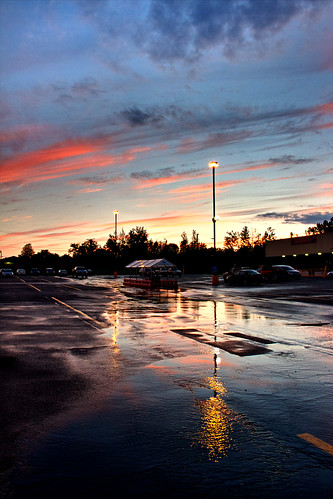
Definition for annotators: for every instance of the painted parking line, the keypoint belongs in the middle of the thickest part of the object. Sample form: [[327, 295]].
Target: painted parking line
[[240, 348], [317, 442], [100, 325], [30, 285], [71, 287], [97, 323]]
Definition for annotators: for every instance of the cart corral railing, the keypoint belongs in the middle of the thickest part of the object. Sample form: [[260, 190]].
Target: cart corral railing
[[152, 274]]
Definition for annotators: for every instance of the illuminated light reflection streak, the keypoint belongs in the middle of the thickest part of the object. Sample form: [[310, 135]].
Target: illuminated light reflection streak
[[217, 422]]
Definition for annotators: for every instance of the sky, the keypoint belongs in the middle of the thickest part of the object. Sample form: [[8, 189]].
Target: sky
[[121, 104]]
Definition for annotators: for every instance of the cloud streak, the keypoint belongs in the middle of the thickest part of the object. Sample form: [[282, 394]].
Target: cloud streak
[[125, 103], [63, 159]]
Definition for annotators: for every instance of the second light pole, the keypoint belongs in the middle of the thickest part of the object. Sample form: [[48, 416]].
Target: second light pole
[[115, 223]]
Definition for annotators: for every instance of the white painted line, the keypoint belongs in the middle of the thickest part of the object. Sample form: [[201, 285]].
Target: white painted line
[[99, 324]]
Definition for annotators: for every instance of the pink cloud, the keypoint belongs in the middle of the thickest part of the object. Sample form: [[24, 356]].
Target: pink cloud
[[325, 108], [63, 159]]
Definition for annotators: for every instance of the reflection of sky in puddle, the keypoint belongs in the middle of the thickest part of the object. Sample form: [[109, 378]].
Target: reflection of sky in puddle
[[144, 312], [148, 319], [214, 435]]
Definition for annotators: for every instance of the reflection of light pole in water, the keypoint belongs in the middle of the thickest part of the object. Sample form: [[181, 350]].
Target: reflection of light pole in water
[[215, 279], [115, 223], [215, 349]]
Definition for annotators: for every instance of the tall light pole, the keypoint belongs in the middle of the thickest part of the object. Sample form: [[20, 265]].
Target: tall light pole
[[215, 278], [115, 223], [115, 272], [213, 165]]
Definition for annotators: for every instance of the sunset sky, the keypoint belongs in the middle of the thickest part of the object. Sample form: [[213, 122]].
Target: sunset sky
[[121, 104]]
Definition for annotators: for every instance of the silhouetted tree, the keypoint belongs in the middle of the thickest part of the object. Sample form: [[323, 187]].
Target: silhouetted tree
[[89, 246], [183, 242], [244, 236], [27, 251], [74, 249], [321, 228], [137, 243], [269, 235], [231, 240]]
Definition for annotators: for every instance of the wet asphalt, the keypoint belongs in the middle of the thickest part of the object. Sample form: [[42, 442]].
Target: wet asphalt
[[211, 391]]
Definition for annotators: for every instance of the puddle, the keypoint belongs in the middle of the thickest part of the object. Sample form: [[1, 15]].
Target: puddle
[[193, 402]]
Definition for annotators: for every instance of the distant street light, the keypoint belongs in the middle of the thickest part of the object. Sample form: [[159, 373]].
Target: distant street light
[[115, 223], [213, 165]]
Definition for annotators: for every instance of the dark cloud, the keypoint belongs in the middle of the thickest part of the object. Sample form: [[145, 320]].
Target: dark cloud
[[170, 30], [303, 218], [96, 180], [135, 117], [182, 29], [87, 87], [159, 116], [163, 173], [143, 175], [224, 125], [288, 159], [78, 91]]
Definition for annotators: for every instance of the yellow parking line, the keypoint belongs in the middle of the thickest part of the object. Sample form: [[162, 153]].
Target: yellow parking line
[[99, 324], [72, 287], [317, 442], [31, 286]]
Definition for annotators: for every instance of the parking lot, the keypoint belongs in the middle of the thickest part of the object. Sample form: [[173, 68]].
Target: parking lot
[[211, 391]]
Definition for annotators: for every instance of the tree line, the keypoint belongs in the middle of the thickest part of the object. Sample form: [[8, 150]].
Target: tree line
[[246, 247]]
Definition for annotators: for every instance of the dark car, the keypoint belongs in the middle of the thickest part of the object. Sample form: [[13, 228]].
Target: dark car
[[329, 275], [34, 271], [244, 277], [278, 272], [81, 272], [49, 271]]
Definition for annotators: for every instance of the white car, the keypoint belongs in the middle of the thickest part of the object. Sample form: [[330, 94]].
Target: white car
[[7, 272], [20, 272]]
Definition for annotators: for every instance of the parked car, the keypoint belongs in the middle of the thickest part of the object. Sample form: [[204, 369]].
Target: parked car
[[7, 272], [278, 272], [34, 271], [49, 271], [20, 272], [329, 275], [243, 277], [62, 272], [80, 272]]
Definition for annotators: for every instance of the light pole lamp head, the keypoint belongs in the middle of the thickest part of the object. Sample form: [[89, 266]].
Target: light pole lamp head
[[213, 164], [116, 212]]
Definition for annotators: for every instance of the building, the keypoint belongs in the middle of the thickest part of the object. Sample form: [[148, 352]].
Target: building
[[305, 252]]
